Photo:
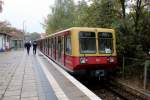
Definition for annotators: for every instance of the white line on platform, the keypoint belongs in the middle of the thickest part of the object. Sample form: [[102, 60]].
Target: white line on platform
[[84, 89], [58, 91]]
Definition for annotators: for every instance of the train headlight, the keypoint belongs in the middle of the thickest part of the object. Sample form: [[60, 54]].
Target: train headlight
[[111, 59], [83, 60]]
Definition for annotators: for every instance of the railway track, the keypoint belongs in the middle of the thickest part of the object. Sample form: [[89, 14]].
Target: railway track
[[110, 90], [120, 91]]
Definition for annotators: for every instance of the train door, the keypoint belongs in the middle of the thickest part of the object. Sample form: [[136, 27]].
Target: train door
[[52, 48], [51, 45], [59, 49], [41, 42], [63, 51], [55, 48], [68, 50], [49, 50], [46, 46], [43, 46], [40, 45]]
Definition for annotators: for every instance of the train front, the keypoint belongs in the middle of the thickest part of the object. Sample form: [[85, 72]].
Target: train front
[[94, 50]]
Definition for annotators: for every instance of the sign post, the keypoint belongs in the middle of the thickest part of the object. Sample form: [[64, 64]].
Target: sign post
[[147, 64]]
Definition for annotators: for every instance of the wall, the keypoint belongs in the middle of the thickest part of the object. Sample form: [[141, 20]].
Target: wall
[[17, 44], [4, 42], [1, 42]]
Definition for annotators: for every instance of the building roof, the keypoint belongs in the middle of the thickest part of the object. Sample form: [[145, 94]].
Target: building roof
[[14, 35], [6, 34], [43, 35], [17, 35]]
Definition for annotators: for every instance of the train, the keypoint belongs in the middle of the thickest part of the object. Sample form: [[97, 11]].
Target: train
[[82, 50]]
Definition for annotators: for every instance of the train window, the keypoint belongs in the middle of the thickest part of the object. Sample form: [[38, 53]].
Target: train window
[[105, 41], [68, 44], [87, 42]]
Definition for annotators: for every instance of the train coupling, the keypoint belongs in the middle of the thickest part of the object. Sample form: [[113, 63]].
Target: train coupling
[[100, 74]]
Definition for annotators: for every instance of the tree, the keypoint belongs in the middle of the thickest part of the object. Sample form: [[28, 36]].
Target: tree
[[34, 36], [80, 13], [123, 7], [132, 27], [5, 27], [100, 14], [139, 15], [62, 16], [1, 3]]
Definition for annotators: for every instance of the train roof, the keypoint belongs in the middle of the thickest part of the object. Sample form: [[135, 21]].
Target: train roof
[[79, 28]]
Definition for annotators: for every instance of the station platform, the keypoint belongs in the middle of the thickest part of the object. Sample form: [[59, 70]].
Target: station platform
[[35, 77]]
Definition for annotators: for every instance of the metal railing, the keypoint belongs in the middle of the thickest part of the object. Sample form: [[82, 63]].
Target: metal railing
[[136, 71]]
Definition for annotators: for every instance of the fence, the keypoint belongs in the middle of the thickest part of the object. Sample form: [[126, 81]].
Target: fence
[[136, 72]]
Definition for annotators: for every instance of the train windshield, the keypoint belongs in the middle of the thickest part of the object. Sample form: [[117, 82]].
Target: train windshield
[[105, 41], [87, 42]]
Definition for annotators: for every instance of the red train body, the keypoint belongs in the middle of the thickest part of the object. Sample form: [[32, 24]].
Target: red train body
[[82, 49]]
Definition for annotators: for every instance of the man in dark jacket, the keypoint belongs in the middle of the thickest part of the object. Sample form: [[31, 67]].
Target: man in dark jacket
[[34, 47], [27, 46]]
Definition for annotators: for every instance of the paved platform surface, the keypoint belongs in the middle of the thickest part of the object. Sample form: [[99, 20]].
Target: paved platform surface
[[21, 78], [35, 77]]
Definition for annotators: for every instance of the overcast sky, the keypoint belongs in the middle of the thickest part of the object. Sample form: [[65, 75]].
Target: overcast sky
[[29, 12]]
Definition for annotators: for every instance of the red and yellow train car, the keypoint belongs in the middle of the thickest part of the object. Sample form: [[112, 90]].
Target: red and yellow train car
[[82, 49]]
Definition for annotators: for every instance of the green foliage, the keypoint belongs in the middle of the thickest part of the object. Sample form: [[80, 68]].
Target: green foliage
[[62, 16], [32, 36], [81, 13], [5, 27], [132, 28]]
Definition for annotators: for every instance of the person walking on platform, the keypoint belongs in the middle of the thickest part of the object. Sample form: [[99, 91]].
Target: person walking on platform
[[27, 46], [34, 47]]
